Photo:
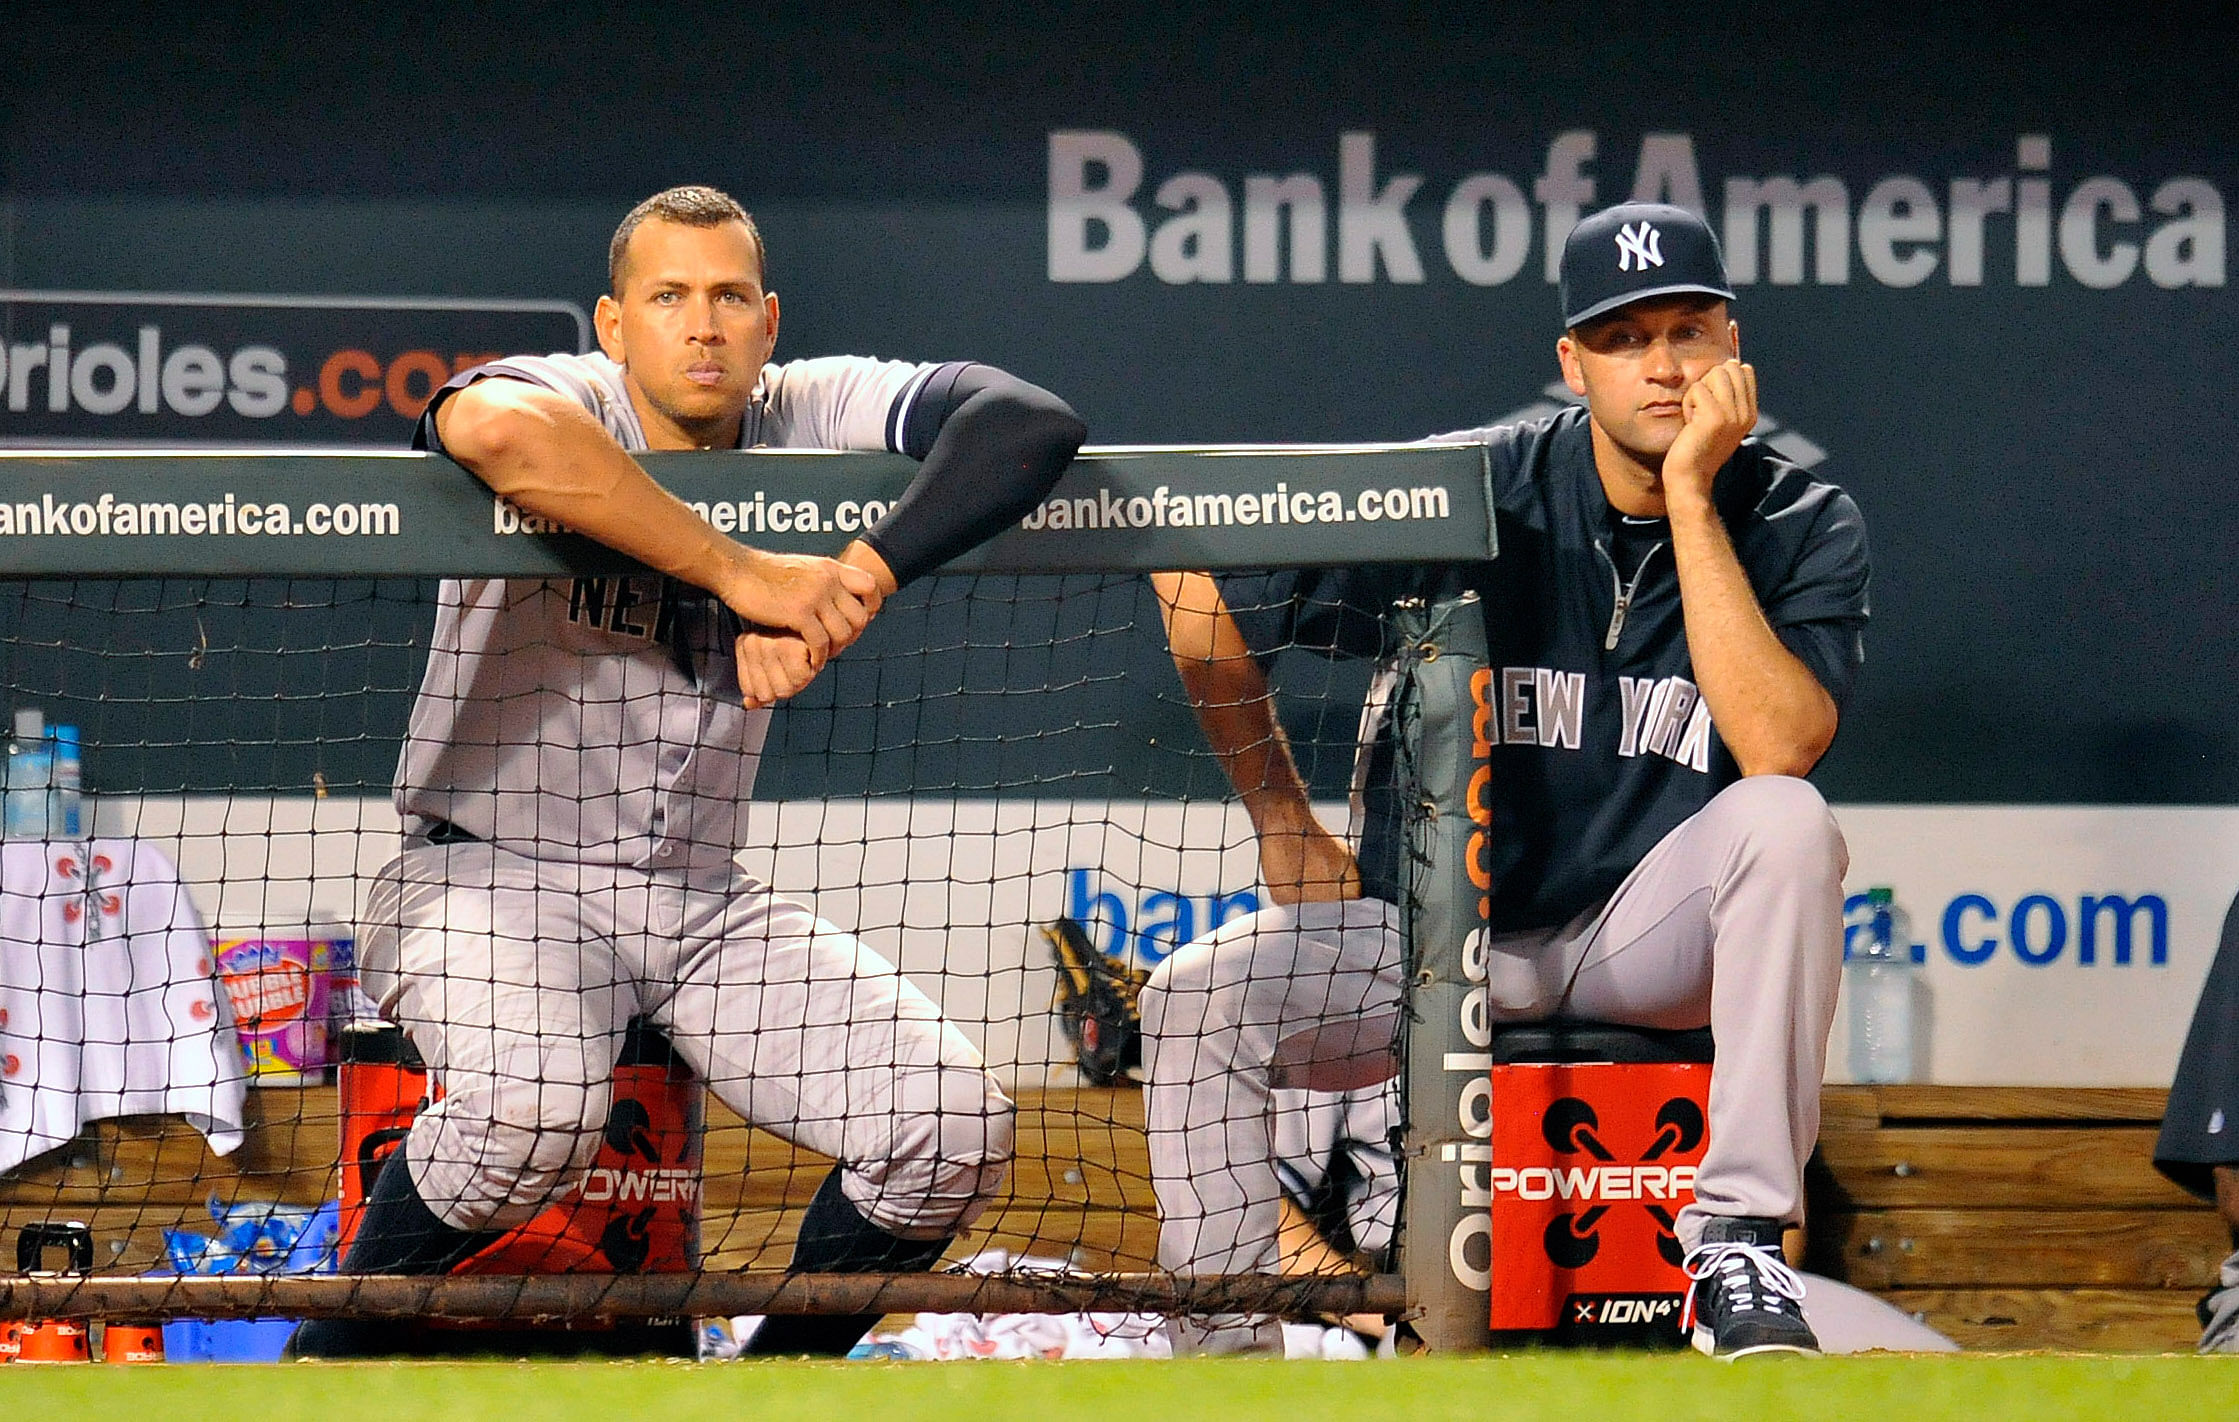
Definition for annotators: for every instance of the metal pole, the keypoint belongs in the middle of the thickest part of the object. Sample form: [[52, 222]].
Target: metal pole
[[576, 1297]]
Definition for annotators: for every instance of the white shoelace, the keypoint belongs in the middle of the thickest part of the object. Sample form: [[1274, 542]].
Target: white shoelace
[[1743, 1268]]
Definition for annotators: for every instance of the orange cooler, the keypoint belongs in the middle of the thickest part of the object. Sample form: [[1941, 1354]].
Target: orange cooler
[[638, 1209], [1591, 1164]]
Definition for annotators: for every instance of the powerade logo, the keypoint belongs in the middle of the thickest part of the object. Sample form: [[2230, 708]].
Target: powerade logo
[[1570, 1127], [630, 1184], [1141, 928], [98, 367], [2038, 930]]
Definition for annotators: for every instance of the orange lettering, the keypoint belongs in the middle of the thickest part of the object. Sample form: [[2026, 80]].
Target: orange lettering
[[355, 403], [398, 387], [1481, 720], [1480, 859]]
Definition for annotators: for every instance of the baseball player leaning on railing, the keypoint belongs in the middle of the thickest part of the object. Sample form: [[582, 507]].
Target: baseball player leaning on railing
[[574, 780]]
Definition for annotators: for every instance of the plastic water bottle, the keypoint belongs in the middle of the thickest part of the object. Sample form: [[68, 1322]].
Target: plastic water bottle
[[23, 806], [65, 801], [1878, 983]]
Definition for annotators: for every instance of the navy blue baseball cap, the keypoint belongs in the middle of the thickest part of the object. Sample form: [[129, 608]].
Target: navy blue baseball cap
[[1636, 250]]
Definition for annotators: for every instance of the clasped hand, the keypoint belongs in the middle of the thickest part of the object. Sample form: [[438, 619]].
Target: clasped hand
[[803, 611]]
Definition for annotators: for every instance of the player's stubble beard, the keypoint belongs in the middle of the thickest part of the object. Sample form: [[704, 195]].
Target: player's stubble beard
[[1637, 472], [697, 428], [715, 432]]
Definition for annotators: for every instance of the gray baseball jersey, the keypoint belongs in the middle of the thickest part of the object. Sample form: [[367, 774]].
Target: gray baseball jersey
[[599, 720]]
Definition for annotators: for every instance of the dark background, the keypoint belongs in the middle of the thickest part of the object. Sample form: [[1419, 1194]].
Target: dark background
[[2045, 471]]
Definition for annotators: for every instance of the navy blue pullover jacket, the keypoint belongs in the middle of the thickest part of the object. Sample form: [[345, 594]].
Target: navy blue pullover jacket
[[1603, 742]]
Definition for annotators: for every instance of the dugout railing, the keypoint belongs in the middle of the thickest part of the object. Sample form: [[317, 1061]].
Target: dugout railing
[[244, 520]]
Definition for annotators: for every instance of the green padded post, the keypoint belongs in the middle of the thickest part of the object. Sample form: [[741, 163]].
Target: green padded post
[[1446, 1232]]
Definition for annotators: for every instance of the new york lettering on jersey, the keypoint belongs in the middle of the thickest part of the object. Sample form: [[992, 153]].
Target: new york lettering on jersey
[[1602, 743], [641, 607], [1546, 707]]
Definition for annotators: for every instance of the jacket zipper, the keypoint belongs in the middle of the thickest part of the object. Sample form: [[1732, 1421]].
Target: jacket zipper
[[1623, 590]]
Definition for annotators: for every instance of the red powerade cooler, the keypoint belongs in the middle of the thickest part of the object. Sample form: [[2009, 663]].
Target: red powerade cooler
[[1597, 1132], [638, 1209]]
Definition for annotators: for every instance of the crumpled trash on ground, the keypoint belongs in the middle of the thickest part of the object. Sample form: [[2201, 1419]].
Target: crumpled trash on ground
[[946, 1337]]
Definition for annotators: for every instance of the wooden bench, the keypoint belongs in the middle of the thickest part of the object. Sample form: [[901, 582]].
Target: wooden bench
[[132, 1178], [2012, 1217], [1079, 1189], [2004, 1217]]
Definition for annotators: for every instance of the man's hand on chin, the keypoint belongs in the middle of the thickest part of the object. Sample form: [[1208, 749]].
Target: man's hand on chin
[[1719, 411]]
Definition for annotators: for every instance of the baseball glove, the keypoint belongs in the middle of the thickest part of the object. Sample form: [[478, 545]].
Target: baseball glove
[[1096, 1005]]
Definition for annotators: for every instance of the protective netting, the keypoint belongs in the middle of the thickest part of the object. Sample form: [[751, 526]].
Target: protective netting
[[1000, 790]]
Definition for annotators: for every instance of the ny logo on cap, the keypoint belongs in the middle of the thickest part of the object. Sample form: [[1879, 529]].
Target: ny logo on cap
[[1639, 246]]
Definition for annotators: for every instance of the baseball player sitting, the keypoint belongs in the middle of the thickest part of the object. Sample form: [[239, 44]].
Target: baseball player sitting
[[574, 778], [1674, 620], [2198, 1147]]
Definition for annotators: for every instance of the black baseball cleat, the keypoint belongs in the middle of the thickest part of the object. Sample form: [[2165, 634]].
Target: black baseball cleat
[[1743, 1298]]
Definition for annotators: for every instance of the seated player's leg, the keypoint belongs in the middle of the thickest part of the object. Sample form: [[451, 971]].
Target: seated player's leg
[[809, 1034], [486, 960], [2199, 1143], [1735, 920], [1305, 997], [1339, 1166]]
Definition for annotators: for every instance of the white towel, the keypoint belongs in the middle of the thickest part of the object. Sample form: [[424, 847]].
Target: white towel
[[107, 1002]]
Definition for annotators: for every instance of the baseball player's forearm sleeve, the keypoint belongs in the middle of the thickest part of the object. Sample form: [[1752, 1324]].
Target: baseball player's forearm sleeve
[[992, 445]]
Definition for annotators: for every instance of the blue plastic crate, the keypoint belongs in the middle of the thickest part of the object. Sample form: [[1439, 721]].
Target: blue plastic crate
[[232, 1340]]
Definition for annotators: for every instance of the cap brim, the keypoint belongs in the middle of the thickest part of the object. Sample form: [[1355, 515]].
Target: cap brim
[[1603, 308]]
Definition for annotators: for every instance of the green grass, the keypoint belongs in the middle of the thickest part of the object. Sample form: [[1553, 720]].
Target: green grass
[[1615, 1387]]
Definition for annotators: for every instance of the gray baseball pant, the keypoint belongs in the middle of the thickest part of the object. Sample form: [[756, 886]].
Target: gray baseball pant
[[516, 978], [1733, 920]]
